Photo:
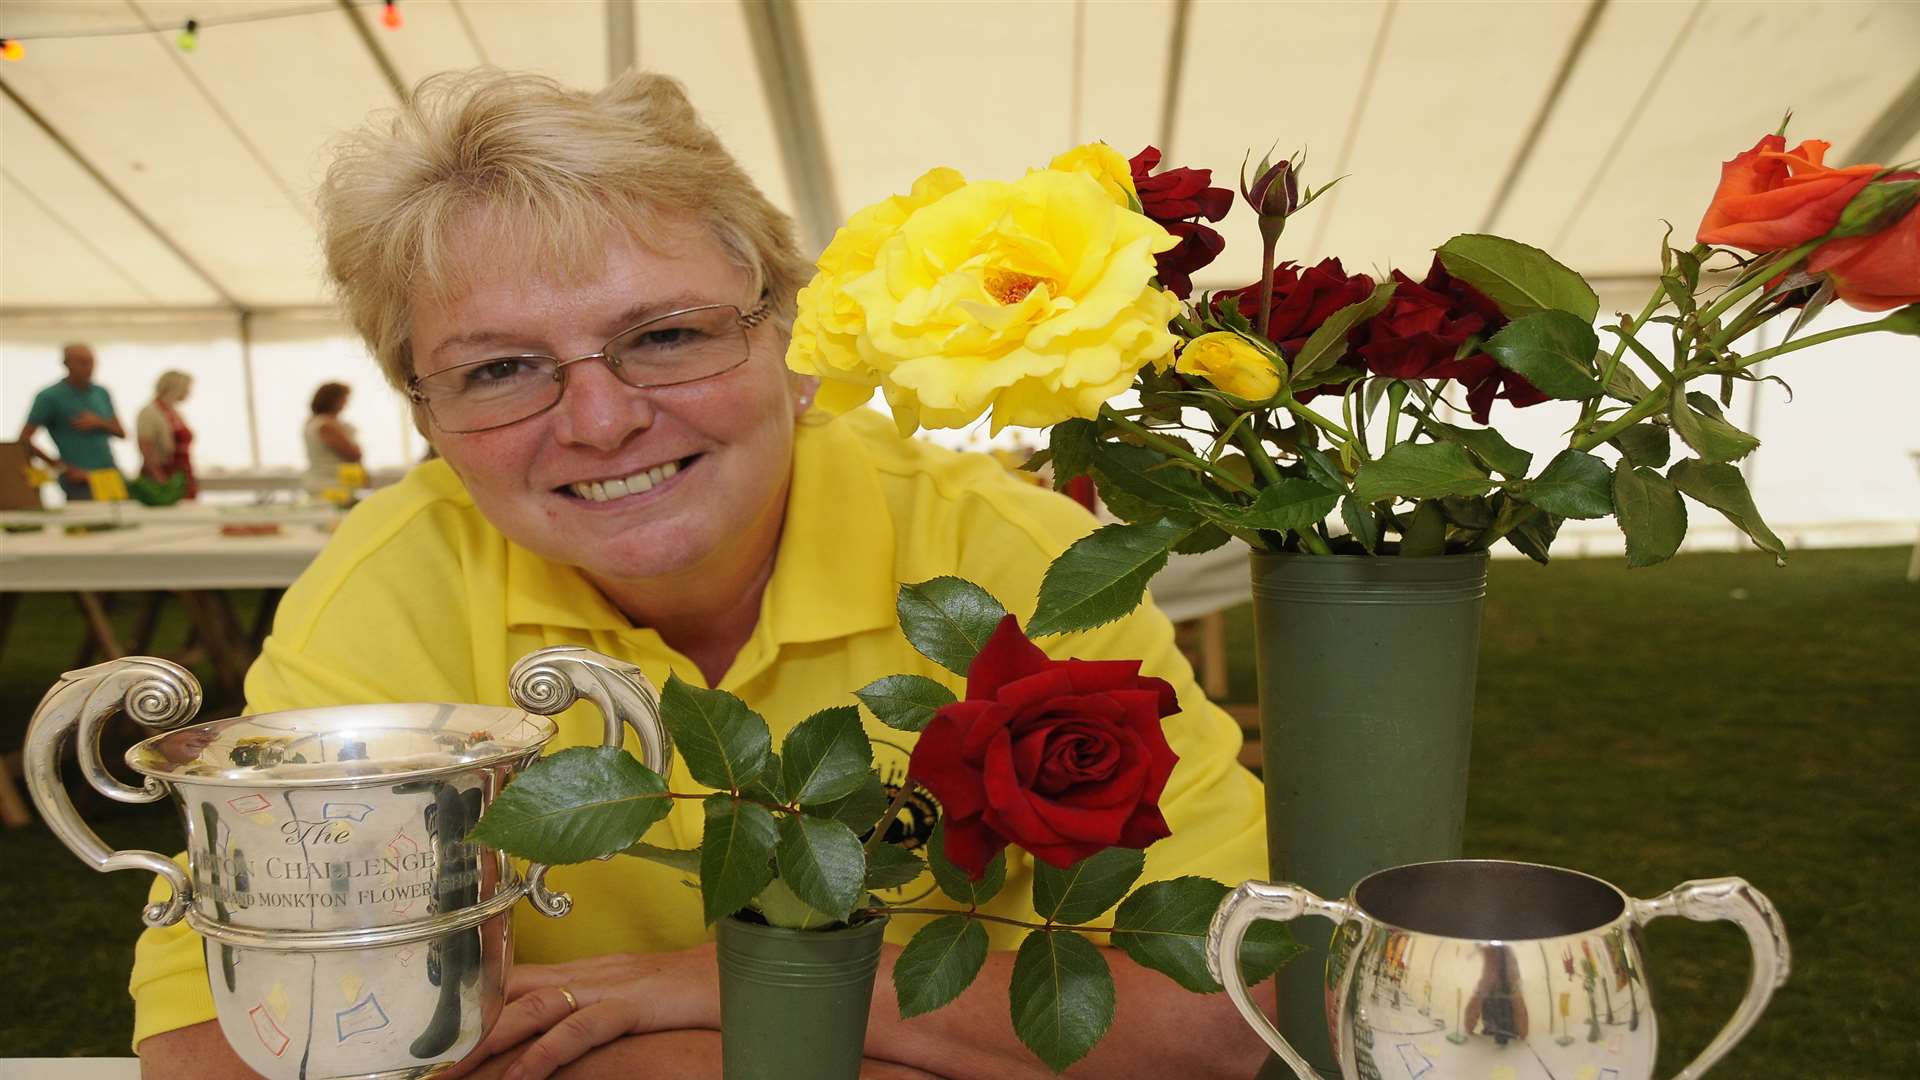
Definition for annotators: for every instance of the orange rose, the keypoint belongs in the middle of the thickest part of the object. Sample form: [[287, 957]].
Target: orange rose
[[1771, 199], [1875, 272]]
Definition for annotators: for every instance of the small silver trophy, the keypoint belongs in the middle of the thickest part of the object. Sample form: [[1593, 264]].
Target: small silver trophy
[[1458, 970], [351, 930]]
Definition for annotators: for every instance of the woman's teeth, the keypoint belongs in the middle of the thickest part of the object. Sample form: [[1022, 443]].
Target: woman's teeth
[[602, 490]]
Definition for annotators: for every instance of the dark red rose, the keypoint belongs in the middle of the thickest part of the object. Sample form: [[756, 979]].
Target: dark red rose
[[1064, 758], [1498, 382], [1302, 300], [1175, 199], [1422, 328]]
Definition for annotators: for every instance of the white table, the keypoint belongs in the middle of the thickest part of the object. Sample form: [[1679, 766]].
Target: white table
[[281, 479], [185, 513]]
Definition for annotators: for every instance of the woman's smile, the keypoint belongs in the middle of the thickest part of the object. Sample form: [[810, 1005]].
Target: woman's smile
[[622, 491]]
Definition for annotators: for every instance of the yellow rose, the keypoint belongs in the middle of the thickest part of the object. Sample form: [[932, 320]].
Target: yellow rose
[[827, 323], [1231, 363], [1032, 298], [1103, 163]]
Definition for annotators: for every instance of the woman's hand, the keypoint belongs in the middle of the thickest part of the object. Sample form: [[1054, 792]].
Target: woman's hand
[[613, 997]]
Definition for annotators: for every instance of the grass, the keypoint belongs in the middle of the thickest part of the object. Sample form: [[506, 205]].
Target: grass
[[1714, 716]]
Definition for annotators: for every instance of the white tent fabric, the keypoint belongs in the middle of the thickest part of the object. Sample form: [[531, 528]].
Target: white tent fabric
[[141, 185]]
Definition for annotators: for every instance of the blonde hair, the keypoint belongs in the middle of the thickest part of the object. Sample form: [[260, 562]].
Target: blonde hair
[[171, 384], [552, 172]]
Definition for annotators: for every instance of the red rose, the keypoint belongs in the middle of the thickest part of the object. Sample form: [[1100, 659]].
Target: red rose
[[1771, 199], [1064, 758], [1498, 382], [1302, 300], [1174, 199], [1422, 328]]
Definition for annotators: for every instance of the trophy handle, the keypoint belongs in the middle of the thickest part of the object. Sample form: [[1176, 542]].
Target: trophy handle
[[1244, 906], [550, 680], [1730, 899], [158, 694]]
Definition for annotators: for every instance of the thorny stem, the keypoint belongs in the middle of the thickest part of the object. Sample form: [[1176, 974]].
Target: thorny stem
[[1175, 448], [975, 913], [893, 808]]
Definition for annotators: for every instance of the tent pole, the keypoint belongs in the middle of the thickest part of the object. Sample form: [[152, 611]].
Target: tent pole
[[622, 37], [246, 378]]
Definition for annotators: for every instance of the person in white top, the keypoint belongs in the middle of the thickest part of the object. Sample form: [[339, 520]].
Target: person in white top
[[331, 441]]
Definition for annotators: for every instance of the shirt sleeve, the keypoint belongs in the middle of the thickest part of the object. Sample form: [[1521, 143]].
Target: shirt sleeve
[[375, 618], [45, 411]]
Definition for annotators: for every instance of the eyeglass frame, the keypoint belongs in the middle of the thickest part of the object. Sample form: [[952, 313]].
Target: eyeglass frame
[[747, 320]]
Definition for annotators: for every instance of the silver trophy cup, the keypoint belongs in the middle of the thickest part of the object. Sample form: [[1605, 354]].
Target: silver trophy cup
[[1468, 969], [351, 930]]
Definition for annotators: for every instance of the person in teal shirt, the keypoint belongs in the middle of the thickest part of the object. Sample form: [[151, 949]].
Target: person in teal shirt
[[78, 413]]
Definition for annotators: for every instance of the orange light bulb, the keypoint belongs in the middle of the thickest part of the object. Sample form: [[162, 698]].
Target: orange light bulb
[[390, 18], [12, 49]]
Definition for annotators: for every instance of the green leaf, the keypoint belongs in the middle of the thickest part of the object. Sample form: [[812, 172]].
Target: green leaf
[[906, 702], [1721, 486], [1203, 539], [768, 787], [1426, 534], [1072, 443], [1419, 471], [948, 619], [685, 860], [1624, 385], [1474, 512], [1574, 484], [860, 810], [574, 805], [781, 906], [822, 862], [1328, 344], [1163, 926], [1651, 513], [736, 854], [1519, 278], [1645, 444], [1321, 468], [1553, 350], [1087, 888], [1290, 504], [826, 756], [953, 880], [1103, 575], [890, 866], [1704, 428], [1486, 444], [1150, 476], [1360, 523], [1061, 996], [938, 964], [1533, 536], [724, 743]]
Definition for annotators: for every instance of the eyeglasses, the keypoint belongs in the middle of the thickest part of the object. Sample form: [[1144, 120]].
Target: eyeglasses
[[679, 347]]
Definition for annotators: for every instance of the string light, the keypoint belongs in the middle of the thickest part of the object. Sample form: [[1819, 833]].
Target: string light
[[390, 18], [189, 36], [12, 49]]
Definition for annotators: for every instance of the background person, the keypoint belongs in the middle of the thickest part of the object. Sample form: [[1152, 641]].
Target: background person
[[588, 303], [331, 441], [165, 439], [78, 413]]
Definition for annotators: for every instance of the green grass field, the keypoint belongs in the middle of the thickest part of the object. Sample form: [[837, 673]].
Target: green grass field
[[1713, 716]]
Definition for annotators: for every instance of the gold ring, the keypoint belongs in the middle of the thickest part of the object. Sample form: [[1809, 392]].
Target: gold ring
[[572, 1005]]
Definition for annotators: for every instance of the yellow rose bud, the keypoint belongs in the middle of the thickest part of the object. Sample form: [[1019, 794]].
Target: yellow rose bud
[[1232, 364], [1103, 163]]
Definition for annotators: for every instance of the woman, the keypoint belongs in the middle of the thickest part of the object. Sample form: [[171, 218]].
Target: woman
[[331, 441], [587, 302], [165, 439]]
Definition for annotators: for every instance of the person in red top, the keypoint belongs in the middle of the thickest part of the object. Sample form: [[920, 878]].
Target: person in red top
[[165, 439]]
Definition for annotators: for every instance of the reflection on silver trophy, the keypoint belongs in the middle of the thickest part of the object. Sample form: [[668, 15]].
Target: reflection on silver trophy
[[350, 928], [1466, 970]]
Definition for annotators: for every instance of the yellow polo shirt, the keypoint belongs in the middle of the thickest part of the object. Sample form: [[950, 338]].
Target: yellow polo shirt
[[418, 598]]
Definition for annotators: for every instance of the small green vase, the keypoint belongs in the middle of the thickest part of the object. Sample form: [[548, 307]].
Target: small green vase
[[1366, 668], [793, 1003]]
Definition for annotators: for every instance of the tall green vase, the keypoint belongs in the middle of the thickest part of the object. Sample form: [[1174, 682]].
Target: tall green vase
[[1366, 669], [793, 1003]]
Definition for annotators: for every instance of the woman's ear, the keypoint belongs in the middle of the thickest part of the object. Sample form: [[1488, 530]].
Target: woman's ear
[[803, 388]]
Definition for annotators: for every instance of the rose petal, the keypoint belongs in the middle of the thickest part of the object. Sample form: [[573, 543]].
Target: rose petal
[[1006, 656], [940, 764], [970, 845]]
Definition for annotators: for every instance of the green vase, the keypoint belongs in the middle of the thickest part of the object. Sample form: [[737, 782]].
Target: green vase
[[1366, 670], [793, 1003]]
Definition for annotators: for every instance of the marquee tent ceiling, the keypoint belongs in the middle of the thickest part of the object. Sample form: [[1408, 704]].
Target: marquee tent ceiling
[[136, 175]]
